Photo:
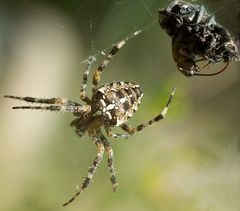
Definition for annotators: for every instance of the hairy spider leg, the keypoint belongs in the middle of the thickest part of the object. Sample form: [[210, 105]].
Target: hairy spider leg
[[111, 134], [161, 116], [83, 96], [54, 100], [58, 104], [68, 108], [91, 171], [103, 65], [111, 168]]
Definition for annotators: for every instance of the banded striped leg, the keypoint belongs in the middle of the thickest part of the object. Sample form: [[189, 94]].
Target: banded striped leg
[[111, 168], [103, 65], [161, 116], [111, 134], [54, 100], [83, 96], [68, 108], [57, 104], [91, 171]]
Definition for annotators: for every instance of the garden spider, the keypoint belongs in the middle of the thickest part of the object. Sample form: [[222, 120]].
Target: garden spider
[[111, 105]]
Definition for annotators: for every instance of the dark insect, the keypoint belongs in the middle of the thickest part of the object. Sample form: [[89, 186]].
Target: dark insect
[[110, 105], [197, 37]]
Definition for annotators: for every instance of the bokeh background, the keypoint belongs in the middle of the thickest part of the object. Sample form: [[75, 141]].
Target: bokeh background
[[188, 162]]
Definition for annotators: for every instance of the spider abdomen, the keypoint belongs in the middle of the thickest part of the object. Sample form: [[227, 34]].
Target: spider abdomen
[[116, 102]]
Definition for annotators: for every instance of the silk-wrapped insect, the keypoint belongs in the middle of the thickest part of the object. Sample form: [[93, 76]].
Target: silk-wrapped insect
[[196, 36]]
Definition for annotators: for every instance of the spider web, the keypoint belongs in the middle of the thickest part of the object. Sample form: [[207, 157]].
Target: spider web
[[91, 21], [97, 25]]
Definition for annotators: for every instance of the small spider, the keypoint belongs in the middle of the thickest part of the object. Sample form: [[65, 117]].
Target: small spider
[[110, 105], [196, 37]]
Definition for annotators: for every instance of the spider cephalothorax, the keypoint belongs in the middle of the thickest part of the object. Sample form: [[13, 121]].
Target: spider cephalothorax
[[196, 37], [110, 105]]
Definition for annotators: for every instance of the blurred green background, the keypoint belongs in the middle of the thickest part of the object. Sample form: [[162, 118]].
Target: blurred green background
[[188, 162]]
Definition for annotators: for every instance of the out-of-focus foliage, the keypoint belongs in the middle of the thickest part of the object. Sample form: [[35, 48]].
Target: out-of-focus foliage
[[190, 161]]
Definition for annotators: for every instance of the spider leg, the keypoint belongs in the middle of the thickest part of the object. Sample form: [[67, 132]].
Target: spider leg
[[83, 96], [103, 65], [161, 116], [111, 168], [91, 171], [64, 108], [58, 104], [54, 100], [111, 134]]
